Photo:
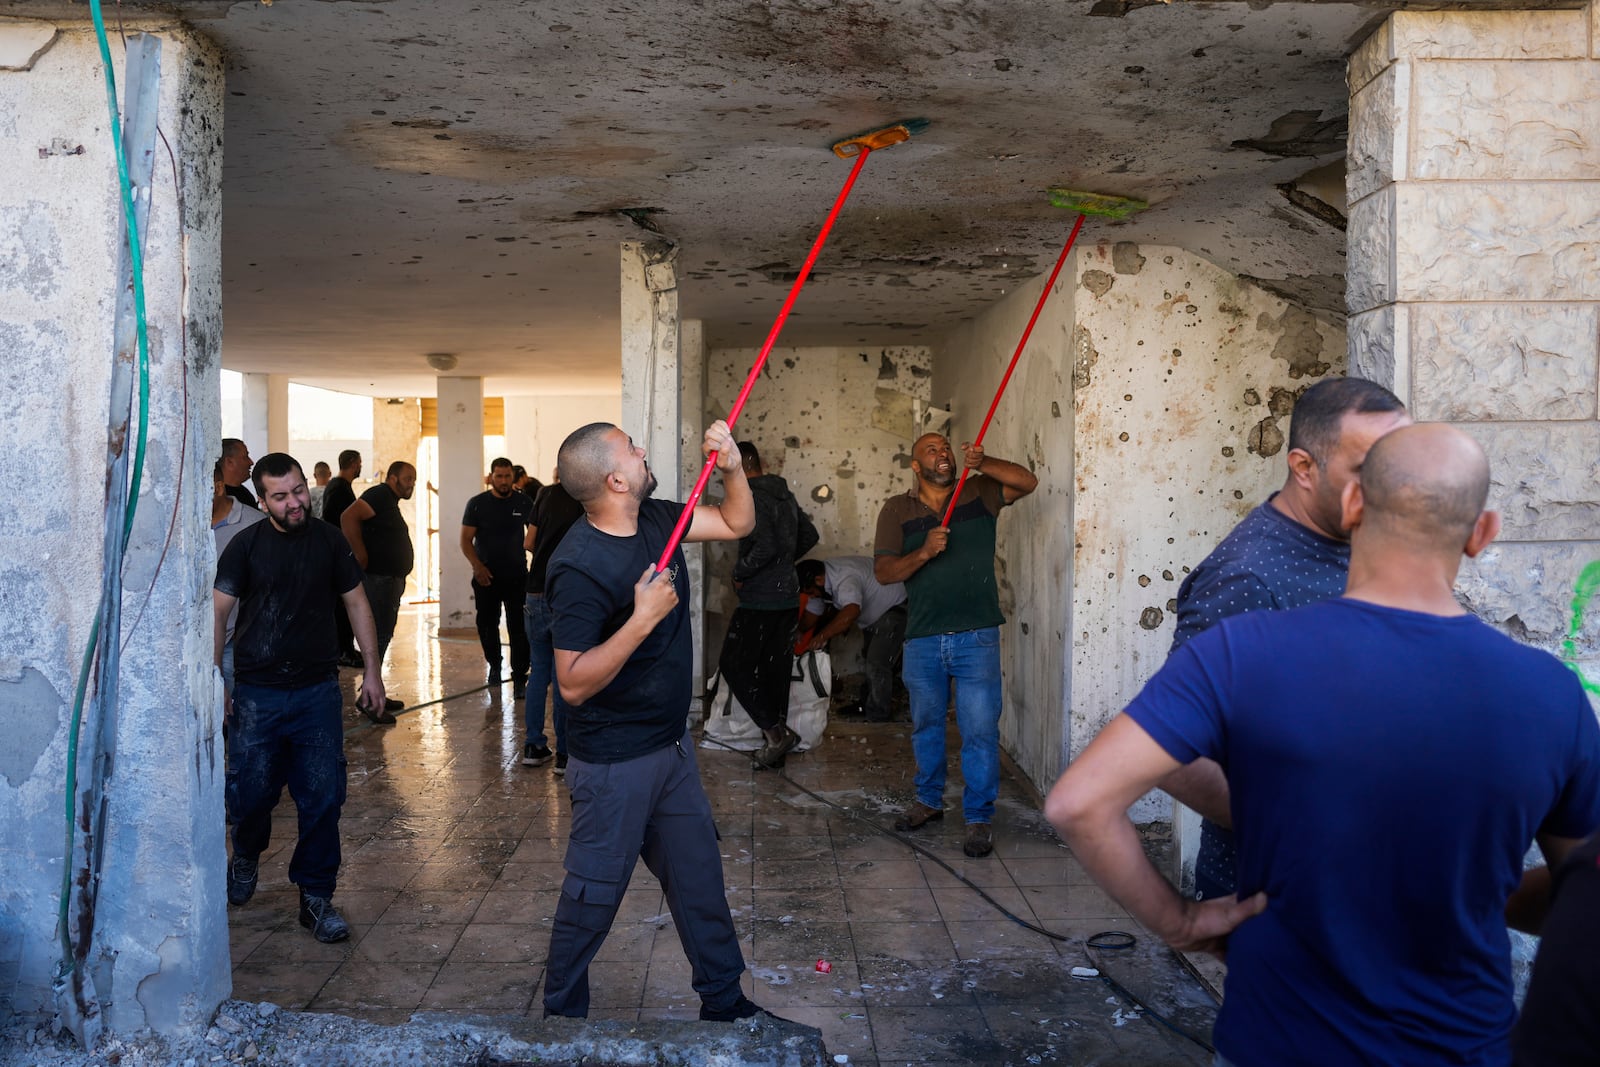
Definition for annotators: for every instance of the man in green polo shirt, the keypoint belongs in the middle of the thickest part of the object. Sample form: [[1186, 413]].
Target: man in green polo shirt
[[953, 629]]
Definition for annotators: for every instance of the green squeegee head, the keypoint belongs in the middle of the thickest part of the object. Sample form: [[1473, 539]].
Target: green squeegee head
[[1110, 207]]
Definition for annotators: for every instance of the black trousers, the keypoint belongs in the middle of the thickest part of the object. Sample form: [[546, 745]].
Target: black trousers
[[757, 659], [503, 596]]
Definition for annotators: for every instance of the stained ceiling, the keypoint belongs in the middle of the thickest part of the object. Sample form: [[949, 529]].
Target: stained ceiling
[[405, 177]]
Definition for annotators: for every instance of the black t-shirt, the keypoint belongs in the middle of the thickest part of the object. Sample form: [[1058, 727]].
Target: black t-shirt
[[242, 495], [386, 535], [500, 523], [335, 498], [554, 512], [1560, 1024], [590, 589], [286, 585]]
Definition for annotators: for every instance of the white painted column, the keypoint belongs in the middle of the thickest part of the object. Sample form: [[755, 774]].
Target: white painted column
[[396, 435], [158, 954], [256, 398], [1474, 286], [461, 471]]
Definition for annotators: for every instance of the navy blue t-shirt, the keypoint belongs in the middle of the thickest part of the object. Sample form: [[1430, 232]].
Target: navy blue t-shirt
[[1388, 770], [1268, 562], [589, 587]]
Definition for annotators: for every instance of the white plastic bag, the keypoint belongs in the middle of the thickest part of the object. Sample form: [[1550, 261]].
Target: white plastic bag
[[728, 724]]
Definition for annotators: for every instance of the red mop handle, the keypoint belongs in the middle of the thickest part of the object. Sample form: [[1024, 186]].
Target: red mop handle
[[951, 506], [682, 524]]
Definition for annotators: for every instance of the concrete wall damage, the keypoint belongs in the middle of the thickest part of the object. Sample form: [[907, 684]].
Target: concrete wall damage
[[1152, 403], [158, 955]]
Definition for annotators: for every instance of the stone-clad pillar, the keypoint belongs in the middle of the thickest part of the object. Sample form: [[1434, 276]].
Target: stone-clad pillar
[[158, 952], [1474, 283]]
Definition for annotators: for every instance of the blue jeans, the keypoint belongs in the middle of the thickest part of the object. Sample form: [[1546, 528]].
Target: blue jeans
[[292, 737], [972, 660], [542, 675]]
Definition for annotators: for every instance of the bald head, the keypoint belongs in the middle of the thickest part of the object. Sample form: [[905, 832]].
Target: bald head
[[585, 458], [1427, 484]]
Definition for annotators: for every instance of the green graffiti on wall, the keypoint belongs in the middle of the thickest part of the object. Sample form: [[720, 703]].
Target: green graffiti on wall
[[1582, 593]]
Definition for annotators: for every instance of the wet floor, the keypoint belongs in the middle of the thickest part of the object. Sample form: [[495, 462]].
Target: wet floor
[[452, 864]]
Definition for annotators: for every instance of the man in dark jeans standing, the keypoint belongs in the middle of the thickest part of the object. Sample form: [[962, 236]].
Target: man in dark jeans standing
[[381, 542], [286, 713], [340, 494], [491, 539], [758, 653], [554, 512]]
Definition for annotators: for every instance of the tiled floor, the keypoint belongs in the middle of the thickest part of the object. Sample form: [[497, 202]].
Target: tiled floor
[[452, 864]]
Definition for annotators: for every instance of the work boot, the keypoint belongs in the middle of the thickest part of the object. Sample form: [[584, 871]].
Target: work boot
[[773, 752], [743, 1008], [242, 877], [917, 816], [318, 915], [980, 840]]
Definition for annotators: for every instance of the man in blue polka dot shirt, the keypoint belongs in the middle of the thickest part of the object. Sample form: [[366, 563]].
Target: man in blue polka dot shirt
[[1290, 551]]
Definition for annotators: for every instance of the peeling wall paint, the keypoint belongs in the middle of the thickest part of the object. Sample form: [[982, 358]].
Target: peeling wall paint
[[161, 881]]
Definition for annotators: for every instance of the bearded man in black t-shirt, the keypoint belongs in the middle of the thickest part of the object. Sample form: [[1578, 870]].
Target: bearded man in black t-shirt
[[624, 660], [286, 715]]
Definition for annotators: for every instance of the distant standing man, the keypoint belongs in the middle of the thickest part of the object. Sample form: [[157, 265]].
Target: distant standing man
[[1391, 759], [491, 538], [1292, 550], [624, 654], [847, 585], [381, 542], [321, 475], [287, 712], [953, 624], [554, 512], [758, 652], [340, 494], [228, 518], [235, 469]]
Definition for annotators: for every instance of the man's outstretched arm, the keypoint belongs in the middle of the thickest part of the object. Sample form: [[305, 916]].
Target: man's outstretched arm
[[1089, 807]]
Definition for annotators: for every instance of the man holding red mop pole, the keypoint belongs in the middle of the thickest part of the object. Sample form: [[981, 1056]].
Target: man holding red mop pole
[[953, 629]]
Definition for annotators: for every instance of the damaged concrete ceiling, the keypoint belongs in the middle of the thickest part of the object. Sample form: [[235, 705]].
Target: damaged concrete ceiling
[[405, 177]]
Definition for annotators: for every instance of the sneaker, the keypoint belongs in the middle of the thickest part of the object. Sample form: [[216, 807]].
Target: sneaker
[[242, 877], [561, 764], [318, 915], [391, 704], [519, 689], [980, 840], [772, 753], [381, 717], [535, 755], [743, 1008]]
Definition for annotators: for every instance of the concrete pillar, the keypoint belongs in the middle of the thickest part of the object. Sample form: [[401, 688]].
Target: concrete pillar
[[651, 372], [278, 414], [256, 401], [461, 471], [396, 435], [1474, 284], [158, 951]]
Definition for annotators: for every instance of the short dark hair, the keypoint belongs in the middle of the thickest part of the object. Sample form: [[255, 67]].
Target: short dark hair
[[749, 455], [319, 466], [274, 465], [1315, 423], [397, 468], [519, 471], [500, 461], [348, 457], [582, 461], [808, 571], [230, 443]]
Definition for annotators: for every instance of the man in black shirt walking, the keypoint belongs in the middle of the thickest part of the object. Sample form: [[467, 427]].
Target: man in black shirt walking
[[491, 539], [286, 718], [381, 543]]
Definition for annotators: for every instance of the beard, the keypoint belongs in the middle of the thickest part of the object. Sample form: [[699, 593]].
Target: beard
[[642, 493], [293, 520], [939, 479]]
